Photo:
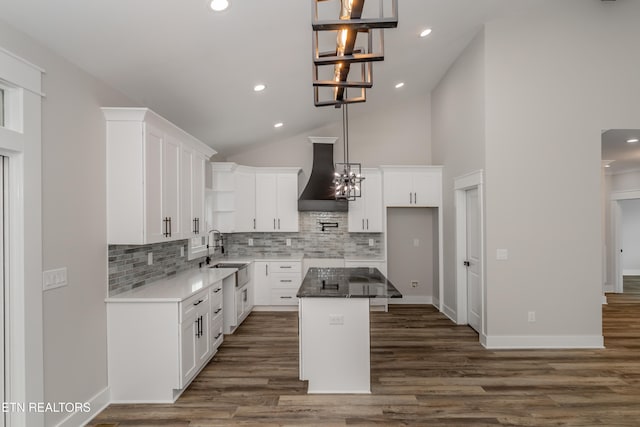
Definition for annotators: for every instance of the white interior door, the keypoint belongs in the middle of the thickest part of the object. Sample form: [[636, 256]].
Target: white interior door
[[473, 260]]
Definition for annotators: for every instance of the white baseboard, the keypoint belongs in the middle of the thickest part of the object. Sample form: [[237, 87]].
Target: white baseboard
[[450, 313], [415, 299], [97, 403], [630, 272], [541, 341]]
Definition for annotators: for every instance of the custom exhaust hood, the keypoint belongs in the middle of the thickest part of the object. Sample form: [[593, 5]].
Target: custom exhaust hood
[[320, 193]]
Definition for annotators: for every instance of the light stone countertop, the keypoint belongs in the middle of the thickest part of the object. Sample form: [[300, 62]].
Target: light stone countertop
[[174, 288]]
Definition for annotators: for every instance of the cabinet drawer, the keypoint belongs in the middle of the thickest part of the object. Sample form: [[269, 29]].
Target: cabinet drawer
[[197, 303], [284, 297], [216, 331], [216, 295], [286, 280], [285, 267]]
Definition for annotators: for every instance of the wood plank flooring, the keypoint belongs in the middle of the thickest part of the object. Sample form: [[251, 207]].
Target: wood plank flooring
[[425, 371]]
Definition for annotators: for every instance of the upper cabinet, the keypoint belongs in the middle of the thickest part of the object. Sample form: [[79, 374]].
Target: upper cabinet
[[248, 199], [365, 213], [155, 178], [412, 186], [277, 199]]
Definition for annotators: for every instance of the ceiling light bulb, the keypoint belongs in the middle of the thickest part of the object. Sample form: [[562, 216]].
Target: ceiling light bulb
[[425, 32], [259, 87], [278, 125], [399, 85], [632, 140], [607, 166], [219, 5]]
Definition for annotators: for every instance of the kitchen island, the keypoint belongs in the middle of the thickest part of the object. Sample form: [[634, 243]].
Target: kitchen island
[[333, 316]]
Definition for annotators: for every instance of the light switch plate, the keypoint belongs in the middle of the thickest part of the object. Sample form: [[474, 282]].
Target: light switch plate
[[52, 279], [502, 254]]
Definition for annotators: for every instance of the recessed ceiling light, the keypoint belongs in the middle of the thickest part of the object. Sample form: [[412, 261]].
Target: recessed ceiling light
[[632, 140], [607, 166], [399, 85], [219, 5], [425, 32], [278, 125], [259, 87]]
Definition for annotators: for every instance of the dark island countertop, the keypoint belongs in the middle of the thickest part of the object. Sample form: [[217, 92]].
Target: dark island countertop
[[346, 282]]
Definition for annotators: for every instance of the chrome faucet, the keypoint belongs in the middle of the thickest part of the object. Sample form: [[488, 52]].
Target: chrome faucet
[[215, 242]]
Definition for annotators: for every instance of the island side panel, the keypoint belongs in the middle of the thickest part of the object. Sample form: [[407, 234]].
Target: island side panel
[[335, 345]]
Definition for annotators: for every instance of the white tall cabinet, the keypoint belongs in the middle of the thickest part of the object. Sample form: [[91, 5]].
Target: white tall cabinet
[[154, 194], [365, 213]]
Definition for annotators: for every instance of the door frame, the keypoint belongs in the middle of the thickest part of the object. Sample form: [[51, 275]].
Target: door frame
[[616, 233], [20, 142], [473, 180]]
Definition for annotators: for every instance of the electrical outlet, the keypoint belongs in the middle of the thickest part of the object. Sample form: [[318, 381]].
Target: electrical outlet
[[502, 254], [416, 242], [414, 283], [150, 258], [288, 242], [250, 242], [371, 242], [532, 316], [181, 251]]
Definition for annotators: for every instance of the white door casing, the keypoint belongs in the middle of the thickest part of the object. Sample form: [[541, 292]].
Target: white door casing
[[20, 142], [470, 301], [473, 259]]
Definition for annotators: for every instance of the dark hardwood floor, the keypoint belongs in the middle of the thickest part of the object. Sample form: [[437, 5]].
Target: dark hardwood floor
[[425, 371]]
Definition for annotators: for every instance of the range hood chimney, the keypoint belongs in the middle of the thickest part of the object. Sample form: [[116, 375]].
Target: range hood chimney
[[320, 192]]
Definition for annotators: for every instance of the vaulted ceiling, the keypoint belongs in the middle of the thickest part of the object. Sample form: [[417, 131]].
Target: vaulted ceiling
[[198, 68]]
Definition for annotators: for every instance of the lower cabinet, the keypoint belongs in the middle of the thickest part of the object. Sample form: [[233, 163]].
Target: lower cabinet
[[156, 348], [238, 303], [277, 282]]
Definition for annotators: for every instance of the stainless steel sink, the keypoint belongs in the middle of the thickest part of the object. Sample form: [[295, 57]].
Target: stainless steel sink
[[228, 265]]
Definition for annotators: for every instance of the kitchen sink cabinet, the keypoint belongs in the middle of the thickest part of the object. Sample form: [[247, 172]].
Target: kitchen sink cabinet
[[238, 302], [412, 186], [365, 213], [276, 202], [145, 177]]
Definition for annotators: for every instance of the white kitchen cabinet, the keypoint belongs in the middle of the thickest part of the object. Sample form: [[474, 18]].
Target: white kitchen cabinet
[[277, 282], [192, 174], [157, 347], [144, 162], [365, 213], [276, 205], [412, 186], [238, 302], [245, 194], [217, 319]]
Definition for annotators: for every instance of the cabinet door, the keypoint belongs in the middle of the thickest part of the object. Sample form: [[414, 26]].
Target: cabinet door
[[287, 196], [398, 190], [199, 164], [372, 195], [188, 330], [357, 215], [245, 201], [266, 202], [171, 187], [186, 193], [427, 188], [261, 286], [203, 340], [154, 218]]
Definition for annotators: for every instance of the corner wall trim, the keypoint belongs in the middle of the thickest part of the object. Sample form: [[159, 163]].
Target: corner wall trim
[[97, 403], [498, 342]]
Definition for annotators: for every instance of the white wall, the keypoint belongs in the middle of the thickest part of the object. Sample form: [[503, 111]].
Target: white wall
[[458, 141], [550, 92], [397, 133], [73, 222], [630, 231]]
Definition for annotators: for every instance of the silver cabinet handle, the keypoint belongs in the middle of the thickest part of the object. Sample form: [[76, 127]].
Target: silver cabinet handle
[[286, 297], [415, 198], [286, 280], [266, 269], [410, 198], [278, 223], [367, 223], [286, 266], [254, 223], [274, 223]]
